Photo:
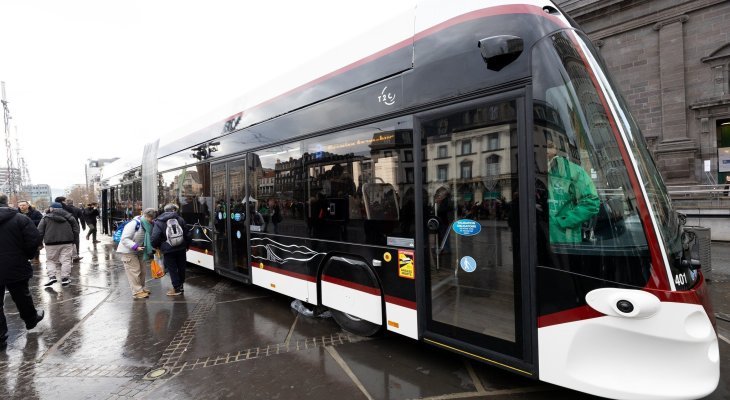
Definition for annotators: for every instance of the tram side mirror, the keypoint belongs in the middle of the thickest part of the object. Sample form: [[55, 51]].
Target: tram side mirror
[[692, 264], [500, 51], [433, 225]]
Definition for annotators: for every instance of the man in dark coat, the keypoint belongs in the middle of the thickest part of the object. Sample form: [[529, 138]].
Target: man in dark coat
[[175, 256], [26, 209], [20, 240], [59, 229], [68, 205], [90, 216]]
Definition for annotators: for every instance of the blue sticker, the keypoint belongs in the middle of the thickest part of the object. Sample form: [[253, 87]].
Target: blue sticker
[[238, 234], [467, 227], [237, 216], [468, 264]]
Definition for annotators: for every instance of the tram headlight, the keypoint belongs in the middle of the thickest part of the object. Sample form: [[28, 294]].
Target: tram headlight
[[625, 306]]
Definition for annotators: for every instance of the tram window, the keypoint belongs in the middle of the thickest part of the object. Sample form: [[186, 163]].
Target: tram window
[[348, 186], [189, 189], [443, 172], [586, 208]]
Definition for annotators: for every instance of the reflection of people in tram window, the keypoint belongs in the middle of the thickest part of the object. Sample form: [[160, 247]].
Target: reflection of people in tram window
[[264, 211], [572, 197], [444, 210], [276, 216]]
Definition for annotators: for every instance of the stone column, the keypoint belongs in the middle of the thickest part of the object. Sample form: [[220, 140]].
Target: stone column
[[676, 152]]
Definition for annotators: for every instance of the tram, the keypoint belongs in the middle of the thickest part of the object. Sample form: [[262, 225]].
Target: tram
[[468, 177]]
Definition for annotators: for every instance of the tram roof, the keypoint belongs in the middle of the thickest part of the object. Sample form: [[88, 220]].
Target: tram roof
[[398, 33]]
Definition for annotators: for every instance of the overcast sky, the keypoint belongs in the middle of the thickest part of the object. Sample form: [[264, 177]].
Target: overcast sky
[[85, 79]]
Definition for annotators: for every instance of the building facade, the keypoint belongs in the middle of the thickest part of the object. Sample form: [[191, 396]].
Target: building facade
[[671, 60], [93, 169], [40, 193]]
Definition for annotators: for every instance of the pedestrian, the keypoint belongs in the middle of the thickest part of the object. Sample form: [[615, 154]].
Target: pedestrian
[[90, 216], [59, 230], [136, 250], [19, 243], [68, 205], [25, 208], [170, 236], [276, 216]]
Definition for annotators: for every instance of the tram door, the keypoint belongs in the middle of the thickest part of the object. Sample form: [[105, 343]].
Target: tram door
[[472, 221], [228, 181], [105, 211]]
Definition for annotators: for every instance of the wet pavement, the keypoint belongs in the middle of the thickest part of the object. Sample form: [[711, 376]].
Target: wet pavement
[[223, 339]]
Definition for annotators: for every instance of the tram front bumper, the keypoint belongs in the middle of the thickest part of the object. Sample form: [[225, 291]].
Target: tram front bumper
[[673, 354]]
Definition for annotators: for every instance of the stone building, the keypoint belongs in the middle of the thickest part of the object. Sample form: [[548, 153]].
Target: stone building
[[670, 59]]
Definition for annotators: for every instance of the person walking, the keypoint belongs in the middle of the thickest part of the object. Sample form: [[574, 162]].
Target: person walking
[[90, 216], [59, 230], [26, 209], [170, 236], [20, 240], [136, 250], [78, 215]]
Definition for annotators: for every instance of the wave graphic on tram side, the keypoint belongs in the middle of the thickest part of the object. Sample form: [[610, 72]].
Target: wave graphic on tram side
[[282, 253]]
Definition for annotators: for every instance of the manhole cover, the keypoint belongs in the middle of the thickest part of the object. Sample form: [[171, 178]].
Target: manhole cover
[[155, 374]]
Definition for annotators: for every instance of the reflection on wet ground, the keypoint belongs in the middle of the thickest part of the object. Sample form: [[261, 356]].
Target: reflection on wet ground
[[223, 339]]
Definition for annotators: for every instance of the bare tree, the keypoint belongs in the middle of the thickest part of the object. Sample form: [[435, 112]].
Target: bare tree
[[82, 195], [42, 204]]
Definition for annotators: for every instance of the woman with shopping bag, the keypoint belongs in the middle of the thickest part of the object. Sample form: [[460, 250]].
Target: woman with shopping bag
[[136, 250]]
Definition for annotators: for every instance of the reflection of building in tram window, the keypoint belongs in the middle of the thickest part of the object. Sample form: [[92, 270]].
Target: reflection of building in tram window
[[572, 197]]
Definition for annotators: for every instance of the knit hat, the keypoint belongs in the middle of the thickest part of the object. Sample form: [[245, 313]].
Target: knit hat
[[56, 205]]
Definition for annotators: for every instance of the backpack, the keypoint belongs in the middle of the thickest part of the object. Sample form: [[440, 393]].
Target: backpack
[[174, 233], [117, 237]]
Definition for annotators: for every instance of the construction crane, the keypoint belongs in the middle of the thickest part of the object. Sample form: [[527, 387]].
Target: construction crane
[[11, 182]]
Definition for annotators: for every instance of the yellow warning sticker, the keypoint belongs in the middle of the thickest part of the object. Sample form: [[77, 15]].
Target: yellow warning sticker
[[261, 265], [387, 257], [405, 264]]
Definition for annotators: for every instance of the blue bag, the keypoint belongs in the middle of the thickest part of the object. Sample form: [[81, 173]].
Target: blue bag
[[117, 237]]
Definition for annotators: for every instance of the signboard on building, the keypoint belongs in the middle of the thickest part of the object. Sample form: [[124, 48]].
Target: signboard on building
[[723, 159]]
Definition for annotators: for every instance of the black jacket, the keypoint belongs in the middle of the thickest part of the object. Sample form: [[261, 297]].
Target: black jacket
[[58, 227], [90, 215], [77, 213], [19, 243], [159, 238], [34, 215]]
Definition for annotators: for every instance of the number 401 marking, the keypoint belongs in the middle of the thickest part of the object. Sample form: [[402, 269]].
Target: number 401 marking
[[680, 279]]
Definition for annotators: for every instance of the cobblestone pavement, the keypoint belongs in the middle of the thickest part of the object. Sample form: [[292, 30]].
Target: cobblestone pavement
[[222, 339]]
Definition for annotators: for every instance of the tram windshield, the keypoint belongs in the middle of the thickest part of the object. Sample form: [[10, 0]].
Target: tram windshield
[[587, 210]]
